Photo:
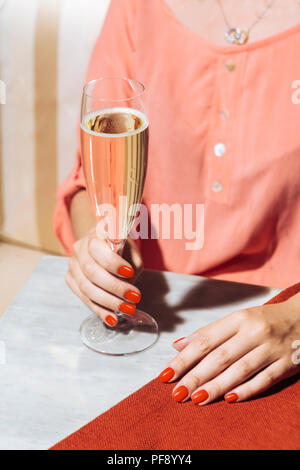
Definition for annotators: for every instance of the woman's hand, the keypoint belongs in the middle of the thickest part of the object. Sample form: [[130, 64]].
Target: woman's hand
[[240, 355], [98, 276]]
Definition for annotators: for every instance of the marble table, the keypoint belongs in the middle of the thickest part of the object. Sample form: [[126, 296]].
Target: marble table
[[51, 384]]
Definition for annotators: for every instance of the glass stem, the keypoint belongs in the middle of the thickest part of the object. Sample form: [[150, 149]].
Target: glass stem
[[118, 248]]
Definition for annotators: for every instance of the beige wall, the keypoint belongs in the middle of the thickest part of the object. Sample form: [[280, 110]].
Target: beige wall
[[44, 50]]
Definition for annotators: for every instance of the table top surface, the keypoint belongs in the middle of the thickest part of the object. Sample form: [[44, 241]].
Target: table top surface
[[51, 384]]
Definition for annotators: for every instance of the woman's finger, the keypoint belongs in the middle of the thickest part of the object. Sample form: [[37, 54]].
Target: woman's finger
[[261, 382], [106, 281], [109, 260], [234, 375], [212, 365], [106, 315], [133, 255], [203, 343], [233, 320], [98, 295], [180, 343]]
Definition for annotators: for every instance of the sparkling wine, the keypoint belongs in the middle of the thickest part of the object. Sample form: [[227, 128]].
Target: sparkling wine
[[114, 143]]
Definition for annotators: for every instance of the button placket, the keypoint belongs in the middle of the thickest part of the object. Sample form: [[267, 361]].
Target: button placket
[[221, 145]]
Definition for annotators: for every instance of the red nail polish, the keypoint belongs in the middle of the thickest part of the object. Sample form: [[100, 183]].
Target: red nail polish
[[231, 397], [200, 396], [180, 339], [133, 296], [127, 308], [126, 271], [110, 320], [180, 393], [166, 375]]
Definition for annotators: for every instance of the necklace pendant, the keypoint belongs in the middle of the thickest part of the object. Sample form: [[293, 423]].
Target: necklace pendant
[[236, 36]]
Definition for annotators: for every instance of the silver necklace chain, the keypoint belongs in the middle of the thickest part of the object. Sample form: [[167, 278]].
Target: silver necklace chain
[[239, 36]]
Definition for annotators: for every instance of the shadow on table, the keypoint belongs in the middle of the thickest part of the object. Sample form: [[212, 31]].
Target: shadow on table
[[206, 294]]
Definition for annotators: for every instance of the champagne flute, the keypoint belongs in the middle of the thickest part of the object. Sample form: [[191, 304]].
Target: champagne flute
[[114, 149]]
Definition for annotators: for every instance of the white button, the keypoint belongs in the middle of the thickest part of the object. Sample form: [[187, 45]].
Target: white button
[[224, 114], [220, 149], [217, 186]]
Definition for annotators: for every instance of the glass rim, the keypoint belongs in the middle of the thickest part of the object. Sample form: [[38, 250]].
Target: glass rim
[[127, 79]]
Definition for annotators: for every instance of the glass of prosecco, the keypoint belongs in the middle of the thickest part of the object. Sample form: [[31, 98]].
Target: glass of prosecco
[[114, 151]]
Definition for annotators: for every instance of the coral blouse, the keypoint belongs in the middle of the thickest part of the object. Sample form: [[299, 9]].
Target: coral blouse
[[224, 131]]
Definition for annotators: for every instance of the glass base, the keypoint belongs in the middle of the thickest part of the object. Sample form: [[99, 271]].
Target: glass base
[[130, 335]]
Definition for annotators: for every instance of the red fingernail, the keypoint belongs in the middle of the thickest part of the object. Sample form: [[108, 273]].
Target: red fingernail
[[110, 320], [199, 397], [180, 393], [126, 271], [127, 308], [231, 397], [166, 374], [180, 339], [133, 296]]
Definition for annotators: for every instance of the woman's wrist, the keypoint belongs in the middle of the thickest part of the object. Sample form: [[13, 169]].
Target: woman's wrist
[[293, 306], [81, 213]]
